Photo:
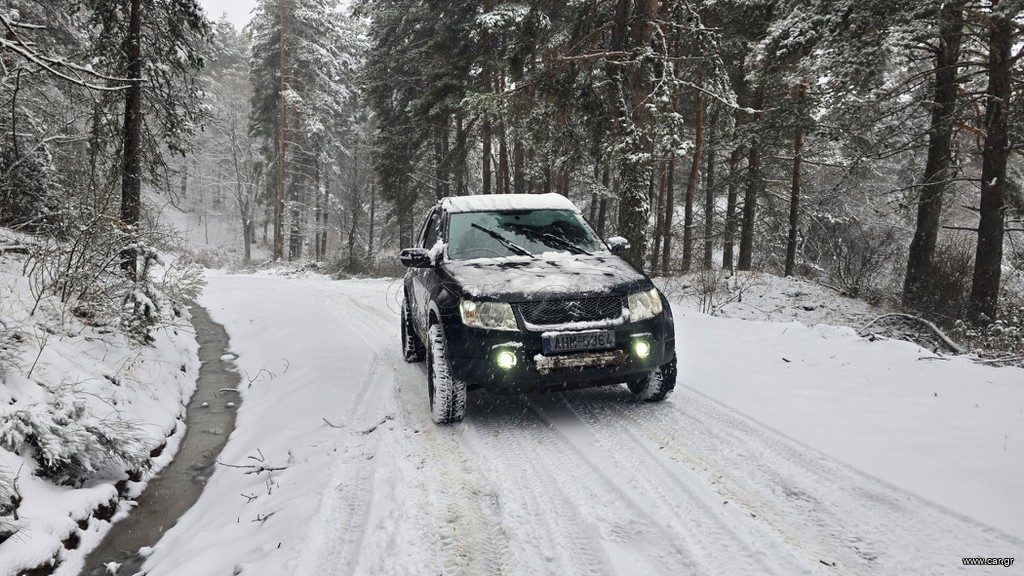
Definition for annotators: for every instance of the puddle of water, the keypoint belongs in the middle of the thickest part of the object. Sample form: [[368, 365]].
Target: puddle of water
[[177, 487]]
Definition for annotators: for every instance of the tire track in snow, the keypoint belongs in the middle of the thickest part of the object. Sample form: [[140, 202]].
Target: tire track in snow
[[716, 542], [550, 534], [463, 510], [840, 520], [335, 539]]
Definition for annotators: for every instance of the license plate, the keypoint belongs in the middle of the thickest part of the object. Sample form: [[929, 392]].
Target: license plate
[[577, 341]]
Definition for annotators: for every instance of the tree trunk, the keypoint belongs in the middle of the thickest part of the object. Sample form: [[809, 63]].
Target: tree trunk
[[317, 214], [326, 214], [446, 165], [530, 155], [988, 260], [659, 220], [460, 143], [501, 181], [247, 233], [794, 196], [355, 210], [730, 209], [281, 146], [936, 172], [296, 206], [691, 184], [670, 210], [635, 169], [439, 176], [602, 208], [370, 233], [709, 198], [485, 136], [131, 182], [518, 182], [755, 183]]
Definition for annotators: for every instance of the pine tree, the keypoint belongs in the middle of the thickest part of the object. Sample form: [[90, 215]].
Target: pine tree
[[1004, 27], [157, 50], [321, 53]]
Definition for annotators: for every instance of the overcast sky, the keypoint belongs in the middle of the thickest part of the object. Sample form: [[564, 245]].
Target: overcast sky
[[238, 10]]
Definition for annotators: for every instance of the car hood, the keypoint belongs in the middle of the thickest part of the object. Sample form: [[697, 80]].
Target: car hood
[[522, 278]]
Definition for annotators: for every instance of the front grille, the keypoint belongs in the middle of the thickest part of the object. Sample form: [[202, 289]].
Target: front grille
[[548, 312]]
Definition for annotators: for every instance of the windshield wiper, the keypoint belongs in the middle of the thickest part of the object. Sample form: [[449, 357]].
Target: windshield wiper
[[508, 243], [555, 239]]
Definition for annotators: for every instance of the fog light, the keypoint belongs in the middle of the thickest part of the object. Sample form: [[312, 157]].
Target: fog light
[[642, 348], [506, 359]]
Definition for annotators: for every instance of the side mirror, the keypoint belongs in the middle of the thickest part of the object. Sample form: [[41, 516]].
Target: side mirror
[[416, 258], [618, 244]]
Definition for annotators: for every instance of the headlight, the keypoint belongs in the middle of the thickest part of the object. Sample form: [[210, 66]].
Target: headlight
[[488, 315], [644, 305]]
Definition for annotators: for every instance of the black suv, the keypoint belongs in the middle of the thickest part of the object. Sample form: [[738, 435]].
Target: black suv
[[516, 293]]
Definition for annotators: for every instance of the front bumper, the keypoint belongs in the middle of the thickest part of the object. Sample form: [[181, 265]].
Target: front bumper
[[473, 355]]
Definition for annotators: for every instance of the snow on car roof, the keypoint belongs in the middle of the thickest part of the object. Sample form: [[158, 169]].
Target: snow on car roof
[[499, 202]]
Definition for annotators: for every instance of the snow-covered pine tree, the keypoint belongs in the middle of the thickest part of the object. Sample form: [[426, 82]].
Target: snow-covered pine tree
[[156, 50], [322, 51]]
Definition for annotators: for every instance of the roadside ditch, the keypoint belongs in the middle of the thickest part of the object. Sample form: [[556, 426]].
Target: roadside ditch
[[209, 420]]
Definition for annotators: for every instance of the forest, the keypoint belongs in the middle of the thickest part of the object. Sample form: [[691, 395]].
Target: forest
[[869, 145]]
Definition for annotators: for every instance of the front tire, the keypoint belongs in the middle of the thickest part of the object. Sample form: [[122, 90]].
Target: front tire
[[657, 384], [447, 395], [412, 347]]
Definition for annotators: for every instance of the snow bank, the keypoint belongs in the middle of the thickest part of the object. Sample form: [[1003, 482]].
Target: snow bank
[[63, 383]]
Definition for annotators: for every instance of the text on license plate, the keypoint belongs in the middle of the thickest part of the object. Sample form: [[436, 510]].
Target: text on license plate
[[576, 341]]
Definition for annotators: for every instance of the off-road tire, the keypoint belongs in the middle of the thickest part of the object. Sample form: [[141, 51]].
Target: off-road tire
[[447, 395], [412, 347], [657, 384]]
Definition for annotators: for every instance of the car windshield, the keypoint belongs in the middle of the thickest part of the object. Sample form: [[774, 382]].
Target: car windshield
[[511, 233]]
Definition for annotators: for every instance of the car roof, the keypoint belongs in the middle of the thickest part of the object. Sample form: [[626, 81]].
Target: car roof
[[502, 202]]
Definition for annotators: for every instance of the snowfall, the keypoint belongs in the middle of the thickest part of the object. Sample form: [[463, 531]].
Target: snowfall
[[792, 445]]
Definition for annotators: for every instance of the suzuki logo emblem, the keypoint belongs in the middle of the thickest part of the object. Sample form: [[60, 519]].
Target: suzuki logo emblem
[[574, 309]]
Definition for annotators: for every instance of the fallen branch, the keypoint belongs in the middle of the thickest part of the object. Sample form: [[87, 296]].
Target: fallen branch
[[256, 468], [931, 326], [373, 428], [14, 248], [1006, 359]]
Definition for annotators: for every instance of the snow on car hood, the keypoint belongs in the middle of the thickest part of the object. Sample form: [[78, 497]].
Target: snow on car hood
[[525, 277]]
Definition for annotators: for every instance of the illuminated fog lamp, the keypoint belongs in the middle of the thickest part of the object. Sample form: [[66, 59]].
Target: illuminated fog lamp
[[642, 348], [506, 359]]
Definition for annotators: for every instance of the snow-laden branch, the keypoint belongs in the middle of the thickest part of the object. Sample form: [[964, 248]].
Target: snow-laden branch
[[54, 66]]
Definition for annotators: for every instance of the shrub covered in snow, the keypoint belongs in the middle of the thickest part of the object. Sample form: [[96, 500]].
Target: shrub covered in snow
[[1003, 337], [70, 443], [81, 270], [9, 500], [10, 346]]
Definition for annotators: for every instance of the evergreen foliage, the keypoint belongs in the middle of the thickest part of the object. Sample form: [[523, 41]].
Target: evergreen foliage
[[834, 128], [71, 442]]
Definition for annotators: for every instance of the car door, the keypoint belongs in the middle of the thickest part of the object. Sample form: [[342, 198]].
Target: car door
[[420, 279]]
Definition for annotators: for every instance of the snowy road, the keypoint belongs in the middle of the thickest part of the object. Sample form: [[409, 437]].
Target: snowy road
[[348, 475]]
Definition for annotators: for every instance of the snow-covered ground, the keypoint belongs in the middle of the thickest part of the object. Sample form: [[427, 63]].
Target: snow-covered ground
[[788, 449], [67, 386]]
